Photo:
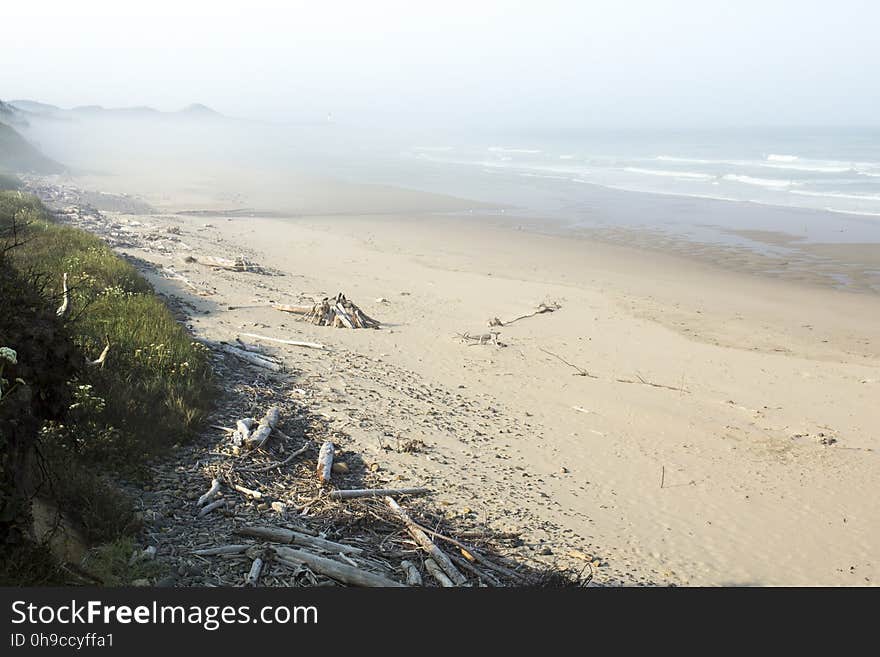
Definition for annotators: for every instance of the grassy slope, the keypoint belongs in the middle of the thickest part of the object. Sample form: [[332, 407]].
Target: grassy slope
[[154, 389]]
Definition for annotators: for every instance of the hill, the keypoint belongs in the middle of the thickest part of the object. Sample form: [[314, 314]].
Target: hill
[[19, 155]]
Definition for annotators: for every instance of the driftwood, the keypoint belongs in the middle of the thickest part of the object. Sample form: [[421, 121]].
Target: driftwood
[[292, 343], [580, 370], [259, 437], [297, 310], [427, 544], [376, 492], [242, 430], [272, 466], [100, 360], [541, 309], [238, 264], [438, 574], [333, 311], [64, 308], [253, 575], [213, 505], [342, 572], [211, 494], [325, 462], [252, 358], [223, 549], [645, 382], [492, 337], [282, 535], [413, 576], [255, 494], [472, 554]]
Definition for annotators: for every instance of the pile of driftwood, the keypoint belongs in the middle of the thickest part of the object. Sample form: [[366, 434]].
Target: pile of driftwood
[[337, 312], [391, 546]]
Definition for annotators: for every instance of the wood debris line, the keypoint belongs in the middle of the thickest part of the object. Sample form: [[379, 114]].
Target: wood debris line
[[336, 311], [542, 308]]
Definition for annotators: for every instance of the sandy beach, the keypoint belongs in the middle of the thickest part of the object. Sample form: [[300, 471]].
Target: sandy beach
[[681, 422]]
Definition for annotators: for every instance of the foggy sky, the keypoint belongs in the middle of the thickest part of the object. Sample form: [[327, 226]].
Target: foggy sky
[[481, 62]]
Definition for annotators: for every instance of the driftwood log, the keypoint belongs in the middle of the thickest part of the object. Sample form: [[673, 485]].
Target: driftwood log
[[325, 462], [413, 576], [376, 492], [292, 343], [252, 358], [342, 572], [288, 536], [211, 507], [238, 264], [438, 574], [427, 544], [253, 575], [261, 434], [213, 491], [222, 549]]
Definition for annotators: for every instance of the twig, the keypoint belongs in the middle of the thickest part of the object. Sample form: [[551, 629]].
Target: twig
[[580, 371]]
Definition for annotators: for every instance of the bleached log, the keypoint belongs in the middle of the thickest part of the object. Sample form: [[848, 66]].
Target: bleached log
[[376, 492], [254, 575], [213, 505], [413, 576], [334, 569], [438, 574], [64, 308], [100, 360], [297, 310], [255, 494], [213, 491], [293, 343], [253, 359], [259, 437], [220, 263], [427, 544], [288, 536], [343, 316], [242, 430], [220, 550], [325, 461]]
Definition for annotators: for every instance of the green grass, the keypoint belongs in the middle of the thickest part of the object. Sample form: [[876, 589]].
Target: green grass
[[154, 389], [155, 386]]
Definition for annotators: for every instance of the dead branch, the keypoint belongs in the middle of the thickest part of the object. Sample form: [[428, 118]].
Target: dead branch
[[376, 492], [333, 569], [293, 343], [580, 371], [541, 309], [427, 544], [643, 381]]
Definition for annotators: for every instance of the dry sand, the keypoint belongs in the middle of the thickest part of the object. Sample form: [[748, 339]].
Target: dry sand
[[765, 434]]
